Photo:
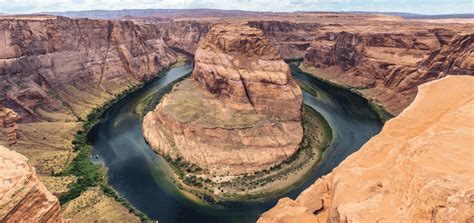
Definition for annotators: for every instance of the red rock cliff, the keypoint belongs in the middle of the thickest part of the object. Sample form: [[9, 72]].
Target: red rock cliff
[[55, 68], [388, 67]]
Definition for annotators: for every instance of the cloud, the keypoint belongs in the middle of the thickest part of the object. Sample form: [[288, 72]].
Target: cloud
[[413, 6]]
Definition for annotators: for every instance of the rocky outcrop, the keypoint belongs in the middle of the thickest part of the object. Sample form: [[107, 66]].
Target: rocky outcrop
[[58, 69], [9, 118], [23, 198], [387, 67], [456, 58], [240, 112], [419, 168]]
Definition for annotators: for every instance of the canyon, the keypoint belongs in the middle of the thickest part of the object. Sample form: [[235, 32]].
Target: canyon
[[56, 71]]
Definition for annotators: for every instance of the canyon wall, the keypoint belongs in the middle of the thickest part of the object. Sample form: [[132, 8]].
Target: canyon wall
[[58, 69], [387, 67], [419, 168], [184, 35], [23, 198], [384, 63], [290, 38], [53, 72]]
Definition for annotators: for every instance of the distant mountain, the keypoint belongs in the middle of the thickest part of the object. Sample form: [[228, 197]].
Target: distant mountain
[[406, 15], [200, 13]]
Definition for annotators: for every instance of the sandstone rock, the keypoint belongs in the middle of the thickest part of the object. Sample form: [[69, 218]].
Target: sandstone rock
[[290, 38], [387, 67], [9, 118], [184, 35], [419, 168], [239, 113], [58, 69], [239, 65], [23, 198]]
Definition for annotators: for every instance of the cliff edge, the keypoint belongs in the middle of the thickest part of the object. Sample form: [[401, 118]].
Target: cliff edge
[[22, 196], [419, 168]]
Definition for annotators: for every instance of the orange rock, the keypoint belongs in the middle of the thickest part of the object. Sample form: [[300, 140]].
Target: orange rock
[[389, 66], [418, 169], [9, 118], [23, 198]]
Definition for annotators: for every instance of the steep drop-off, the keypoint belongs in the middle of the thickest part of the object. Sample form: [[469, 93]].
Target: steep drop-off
[[23, 198], [54, 71], [387, 67], [419, 168], [58, 69], [290, 38]]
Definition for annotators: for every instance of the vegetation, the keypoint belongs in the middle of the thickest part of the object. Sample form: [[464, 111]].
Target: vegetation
[[307, 88], [317, 137], [383, 114], [88, 174]]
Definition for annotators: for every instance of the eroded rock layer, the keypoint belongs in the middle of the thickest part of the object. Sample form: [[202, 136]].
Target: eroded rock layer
[[23, 198], [240, 112], [419, 168], [8, 118], [58, 69], [387, 67]]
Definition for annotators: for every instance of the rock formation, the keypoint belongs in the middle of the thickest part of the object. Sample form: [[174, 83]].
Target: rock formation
[[58, 69], [387, 67], [23, 198], [55, 70], [9, 118], [240, 112], [419, 168]]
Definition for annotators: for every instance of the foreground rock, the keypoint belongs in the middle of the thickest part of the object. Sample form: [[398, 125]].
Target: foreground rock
[[8, 119], [239, 113], [23, 198], [419, 168]]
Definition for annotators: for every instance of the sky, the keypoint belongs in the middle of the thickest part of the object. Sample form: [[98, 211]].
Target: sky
[[413, 6]]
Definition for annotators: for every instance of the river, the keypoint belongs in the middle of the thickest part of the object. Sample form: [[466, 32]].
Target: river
[[143, 177]]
